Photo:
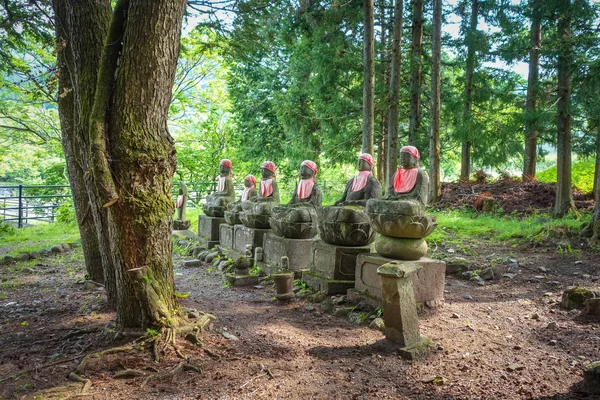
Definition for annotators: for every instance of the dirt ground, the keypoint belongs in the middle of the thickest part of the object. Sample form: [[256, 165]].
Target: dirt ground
[[49, 321]]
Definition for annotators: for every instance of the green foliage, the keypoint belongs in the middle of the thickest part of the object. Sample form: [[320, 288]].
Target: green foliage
[[66, 213], [582, 173]]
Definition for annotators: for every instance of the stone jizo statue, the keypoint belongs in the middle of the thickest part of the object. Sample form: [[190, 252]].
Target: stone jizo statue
[[410, 182], [180, 222], [400, 217], [363, 186], [249, 188], [216, 203], [298, 219], [257, 210]]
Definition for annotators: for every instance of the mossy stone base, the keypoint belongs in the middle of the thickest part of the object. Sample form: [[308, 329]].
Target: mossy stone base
[[401, 248], [591, 378], [418, 350], [575, 297], [242, 280]]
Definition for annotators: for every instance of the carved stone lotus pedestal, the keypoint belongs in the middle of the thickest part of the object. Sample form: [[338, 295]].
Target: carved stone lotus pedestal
[[294, 222], [402, 227], [344, 234], [256, 214]]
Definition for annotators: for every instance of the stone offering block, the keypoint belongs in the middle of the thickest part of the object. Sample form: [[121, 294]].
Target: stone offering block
[[208, 230], [428, 282], [226, 236], [244, 236], [333, 267], [181, 225], [299, 251]]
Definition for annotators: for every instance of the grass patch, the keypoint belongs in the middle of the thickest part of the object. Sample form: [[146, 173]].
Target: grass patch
[[457, 226], [582, 173], [37, 237]]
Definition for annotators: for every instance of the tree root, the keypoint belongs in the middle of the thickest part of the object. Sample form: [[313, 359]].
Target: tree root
[[183, 366], [75, 376]]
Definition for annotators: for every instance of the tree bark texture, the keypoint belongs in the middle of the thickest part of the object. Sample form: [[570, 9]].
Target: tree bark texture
[[369, 78], [143, 161], [383, 58], [393, 117], [415, 71], [592, 229], [564, 195], [81, 29], [597, 168], [465, 162], [435, 185], [122, 93], [531, 130]]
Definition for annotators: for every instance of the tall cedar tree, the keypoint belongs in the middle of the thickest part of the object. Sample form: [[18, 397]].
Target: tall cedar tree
[[467, 117], [434, 131], [369, 78], [416, 48]]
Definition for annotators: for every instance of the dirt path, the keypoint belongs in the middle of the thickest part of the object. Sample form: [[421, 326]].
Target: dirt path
[[297, 351]]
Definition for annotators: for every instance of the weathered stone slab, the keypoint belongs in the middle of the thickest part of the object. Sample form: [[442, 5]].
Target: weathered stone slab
[[326, 286], [333, 267], [299, 251], [208, 230], [428, 282], [226, 236], [244, 236]]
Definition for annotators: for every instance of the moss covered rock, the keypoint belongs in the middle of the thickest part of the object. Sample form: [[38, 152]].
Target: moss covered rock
[[575, 297]]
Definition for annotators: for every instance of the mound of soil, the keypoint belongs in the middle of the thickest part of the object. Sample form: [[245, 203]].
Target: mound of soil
[[511, 195]]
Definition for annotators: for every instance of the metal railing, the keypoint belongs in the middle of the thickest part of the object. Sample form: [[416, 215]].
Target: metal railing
[[22, 203]]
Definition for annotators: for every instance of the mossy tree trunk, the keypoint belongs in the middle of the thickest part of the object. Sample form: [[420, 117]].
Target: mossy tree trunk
[[435, 186], [81, 29], [415, 72], [369, 78], [467, 117], [131, 153]]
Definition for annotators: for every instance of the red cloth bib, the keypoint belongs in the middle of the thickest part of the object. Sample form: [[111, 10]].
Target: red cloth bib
[[360, 180], [246, 193], [305, 188], [266, 188], [405, 179], [179, 201]]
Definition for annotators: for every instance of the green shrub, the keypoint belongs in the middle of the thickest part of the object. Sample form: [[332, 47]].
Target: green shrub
[[66, 213], [582, 173]]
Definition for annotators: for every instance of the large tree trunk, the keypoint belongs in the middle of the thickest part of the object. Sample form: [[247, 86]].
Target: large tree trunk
[[392, 140], [564, 195], [369, 78], [81, 29], [415, 71], [597, 167], [465, 161], [593, 228], [531, 130], [383, 60], [142, 159], [121, 100], [435, 186]]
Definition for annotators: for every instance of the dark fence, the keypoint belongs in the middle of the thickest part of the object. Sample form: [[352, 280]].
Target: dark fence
[[22, 203]]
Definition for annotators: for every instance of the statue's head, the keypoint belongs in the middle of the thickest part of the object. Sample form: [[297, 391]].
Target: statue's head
[[409, 157], [365, 162], [308, 170], [225, 167], [181, 188], [250, 181], [268, 170]]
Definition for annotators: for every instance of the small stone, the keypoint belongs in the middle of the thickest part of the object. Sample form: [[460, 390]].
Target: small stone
[[229, 336], [591, 377], [552, 325], [539, 277], [509, 276], [337, 300], [553, 342], [535, 316], [548, 294], [377, 324], [57, 249], [317, 297], [309, 308], [542, 269], [45, 252], [487, 274], [578, 262], [512, 267], [455, 315], [586, 276], [259, 287], [515, 367], [28, 270], [191, 263], [11, 304], [468, 297], [193, 314], [211, 256], [517, 347], [7, 260], [477, 279], [439, 347], [451, 251], [356, 318], [467, 274], [23, 257], [35, 255], [66, 246], [343, 311], [513, 260]]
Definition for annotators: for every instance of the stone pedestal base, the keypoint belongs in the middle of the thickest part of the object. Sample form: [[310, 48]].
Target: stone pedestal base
[[244, 236], [428, 283], [226, 237], [179, 225], [298, 251], [333, 267], [208, 230]]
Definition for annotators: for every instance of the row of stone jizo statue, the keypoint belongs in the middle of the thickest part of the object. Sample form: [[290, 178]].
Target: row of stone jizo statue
[[354, 220]]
